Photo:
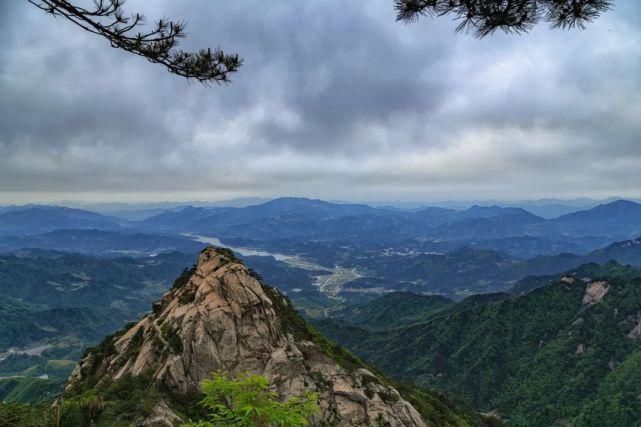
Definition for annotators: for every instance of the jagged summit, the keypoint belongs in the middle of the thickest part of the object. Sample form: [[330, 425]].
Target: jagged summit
[[217, 317]]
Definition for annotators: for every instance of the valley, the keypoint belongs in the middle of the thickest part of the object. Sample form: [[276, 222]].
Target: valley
[[330, 282], [36, 350]]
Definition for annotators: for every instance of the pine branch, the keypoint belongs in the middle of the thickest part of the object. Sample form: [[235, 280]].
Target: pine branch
[[483, 17], [158, 45]]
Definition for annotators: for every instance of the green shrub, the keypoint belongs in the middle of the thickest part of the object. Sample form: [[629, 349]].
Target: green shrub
[[184, 277], [172, 338], [247, 401]]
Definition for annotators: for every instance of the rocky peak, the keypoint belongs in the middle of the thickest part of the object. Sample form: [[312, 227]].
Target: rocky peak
[[219, 317]]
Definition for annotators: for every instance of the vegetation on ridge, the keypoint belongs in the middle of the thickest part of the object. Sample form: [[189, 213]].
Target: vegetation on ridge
[[555, 355]]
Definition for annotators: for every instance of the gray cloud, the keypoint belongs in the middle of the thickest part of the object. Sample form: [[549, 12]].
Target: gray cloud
[[336, 100]]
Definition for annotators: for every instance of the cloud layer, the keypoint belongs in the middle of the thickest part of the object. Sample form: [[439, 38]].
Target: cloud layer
[[335, 100]]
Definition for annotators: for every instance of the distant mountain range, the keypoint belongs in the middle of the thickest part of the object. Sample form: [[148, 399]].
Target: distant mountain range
[[430, 250], [546, 208], [297, 218], [291, 218], [101, 243], [114, 208], [42, 219]]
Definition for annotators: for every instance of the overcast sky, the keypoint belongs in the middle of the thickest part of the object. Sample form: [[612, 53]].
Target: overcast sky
[[336, 100]]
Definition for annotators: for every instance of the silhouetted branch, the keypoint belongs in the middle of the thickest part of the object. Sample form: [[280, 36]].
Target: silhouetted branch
[[483, 17], [159, 45]]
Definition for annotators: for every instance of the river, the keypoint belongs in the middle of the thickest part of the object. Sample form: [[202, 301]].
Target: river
[[330, 282], [243, 251]]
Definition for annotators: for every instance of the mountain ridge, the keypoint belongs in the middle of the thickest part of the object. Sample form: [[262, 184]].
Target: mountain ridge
[[572, 347], [41, 219], [296, 218]]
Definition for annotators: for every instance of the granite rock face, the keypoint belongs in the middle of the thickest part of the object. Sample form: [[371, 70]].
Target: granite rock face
[[595, 292], [218, 317]]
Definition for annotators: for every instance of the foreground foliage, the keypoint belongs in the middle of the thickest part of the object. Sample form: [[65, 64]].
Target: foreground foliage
[[158, 44], [515, 16], [247, 401]]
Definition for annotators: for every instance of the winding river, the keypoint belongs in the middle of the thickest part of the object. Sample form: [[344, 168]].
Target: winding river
[[330, 282]]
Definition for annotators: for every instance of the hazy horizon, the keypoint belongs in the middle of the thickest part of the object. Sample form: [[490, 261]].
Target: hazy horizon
[[459, 204]]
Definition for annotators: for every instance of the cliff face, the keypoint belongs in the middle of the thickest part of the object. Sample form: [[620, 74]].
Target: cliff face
[[218, 317]]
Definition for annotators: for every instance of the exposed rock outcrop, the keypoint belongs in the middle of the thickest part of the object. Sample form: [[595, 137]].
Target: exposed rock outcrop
[[568, 280], [594, 292], [218, 317]]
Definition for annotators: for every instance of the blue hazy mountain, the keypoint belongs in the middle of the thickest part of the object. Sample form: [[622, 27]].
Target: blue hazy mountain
[[552, 210], [492, 222], [286, 216], [298, 216], [619, 219], [41, 219], [510, 229], [103, 243]]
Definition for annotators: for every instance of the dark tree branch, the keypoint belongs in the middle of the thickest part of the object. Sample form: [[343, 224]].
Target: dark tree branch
[[483, 17], [159, 45]]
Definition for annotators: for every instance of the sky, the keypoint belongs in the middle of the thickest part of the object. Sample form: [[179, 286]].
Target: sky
[[335, 100]]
